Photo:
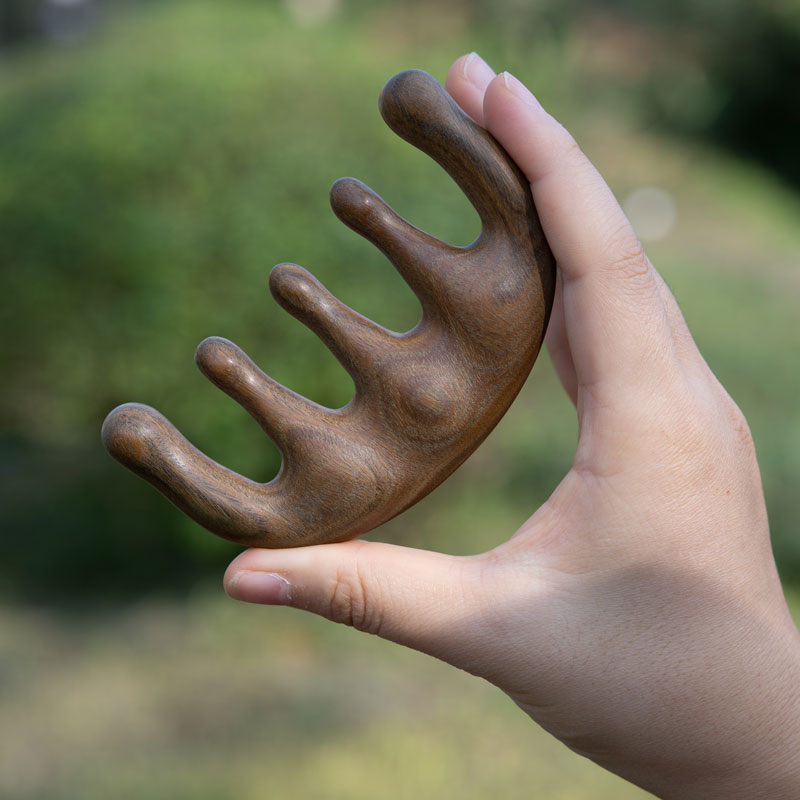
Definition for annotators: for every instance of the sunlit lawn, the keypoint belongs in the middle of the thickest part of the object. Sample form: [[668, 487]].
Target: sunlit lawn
[[205, 698]]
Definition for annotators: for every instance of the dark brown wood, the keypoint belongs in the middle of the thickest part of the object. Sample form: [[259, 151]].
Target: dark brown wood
[[424, 399]]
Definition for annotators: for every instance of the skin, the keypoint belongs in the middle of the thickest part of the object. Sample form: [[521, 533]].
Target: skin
[[637, 615]]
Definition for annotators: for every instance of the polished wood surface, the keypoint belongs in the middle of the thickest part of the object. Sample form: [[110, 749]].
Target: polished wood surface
[[424, 399]]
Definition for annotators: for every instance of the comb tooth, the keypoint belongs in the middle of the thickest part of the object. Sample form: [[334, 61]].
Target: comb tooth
[[417, 108], [355, 340], [416, 255], [276, 409], [231, 505]]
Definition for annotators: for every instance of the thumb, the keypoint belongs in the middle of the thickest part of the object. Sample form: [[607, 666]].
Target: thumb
[[414, 597]]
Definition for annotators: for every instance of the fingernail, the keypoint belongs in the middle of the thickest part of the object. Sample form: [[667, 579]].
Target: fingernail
[[477, 71], [266, 588], [520, 91]]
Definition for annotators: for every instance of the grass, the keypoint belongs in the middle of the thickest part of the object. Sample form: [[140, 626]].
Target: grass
[[206, 698], [210, 699]]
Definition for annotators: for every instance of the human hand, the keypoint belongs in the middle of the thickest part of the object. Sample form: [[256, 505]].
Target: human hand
[[637, 615]]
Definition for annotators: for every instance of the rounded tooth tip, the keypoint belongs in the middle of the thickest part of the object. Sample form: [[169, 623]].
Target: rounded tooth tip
[[214, 350], [129, 428], [349, 193], [343, 185], [295, 288], [358, 206], [222, 362], [409, 80], [410, 85]]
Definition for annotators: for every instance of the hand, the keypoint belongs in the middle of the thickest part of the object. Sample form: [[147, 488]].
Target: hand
[[637, 615]]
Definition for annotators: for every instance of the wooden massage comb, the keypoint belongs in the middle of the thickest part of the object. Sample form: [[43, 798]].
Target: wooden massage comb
[[424, 399]]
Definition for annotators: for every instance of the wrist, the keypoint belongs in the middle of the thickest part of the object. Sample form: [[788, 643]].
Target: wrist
[[763, 741]]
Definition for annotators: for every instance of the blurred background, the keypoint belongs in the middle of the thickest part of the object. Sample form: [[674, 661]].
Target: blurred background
[[156, 159]]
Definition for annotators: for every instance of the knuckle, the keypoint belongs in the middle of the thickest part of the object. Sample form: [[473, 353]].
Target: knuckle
[[351, 602], [713, 438], [720, 406], [572, 150], [627, 256], [737, 424]]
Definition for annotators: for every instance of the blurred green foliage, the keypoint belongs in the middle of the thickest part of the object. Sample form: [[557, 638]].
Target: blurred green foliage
[[725, 70], [211, 699], [152, 175]]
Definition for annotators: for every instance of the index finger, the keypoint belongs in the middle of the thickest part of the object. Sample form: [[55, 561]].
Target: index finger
[[617, 323]]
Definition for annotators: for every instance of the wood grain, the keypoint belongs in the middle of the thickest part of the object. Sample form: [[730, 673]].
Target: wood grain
[[424, 399]]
